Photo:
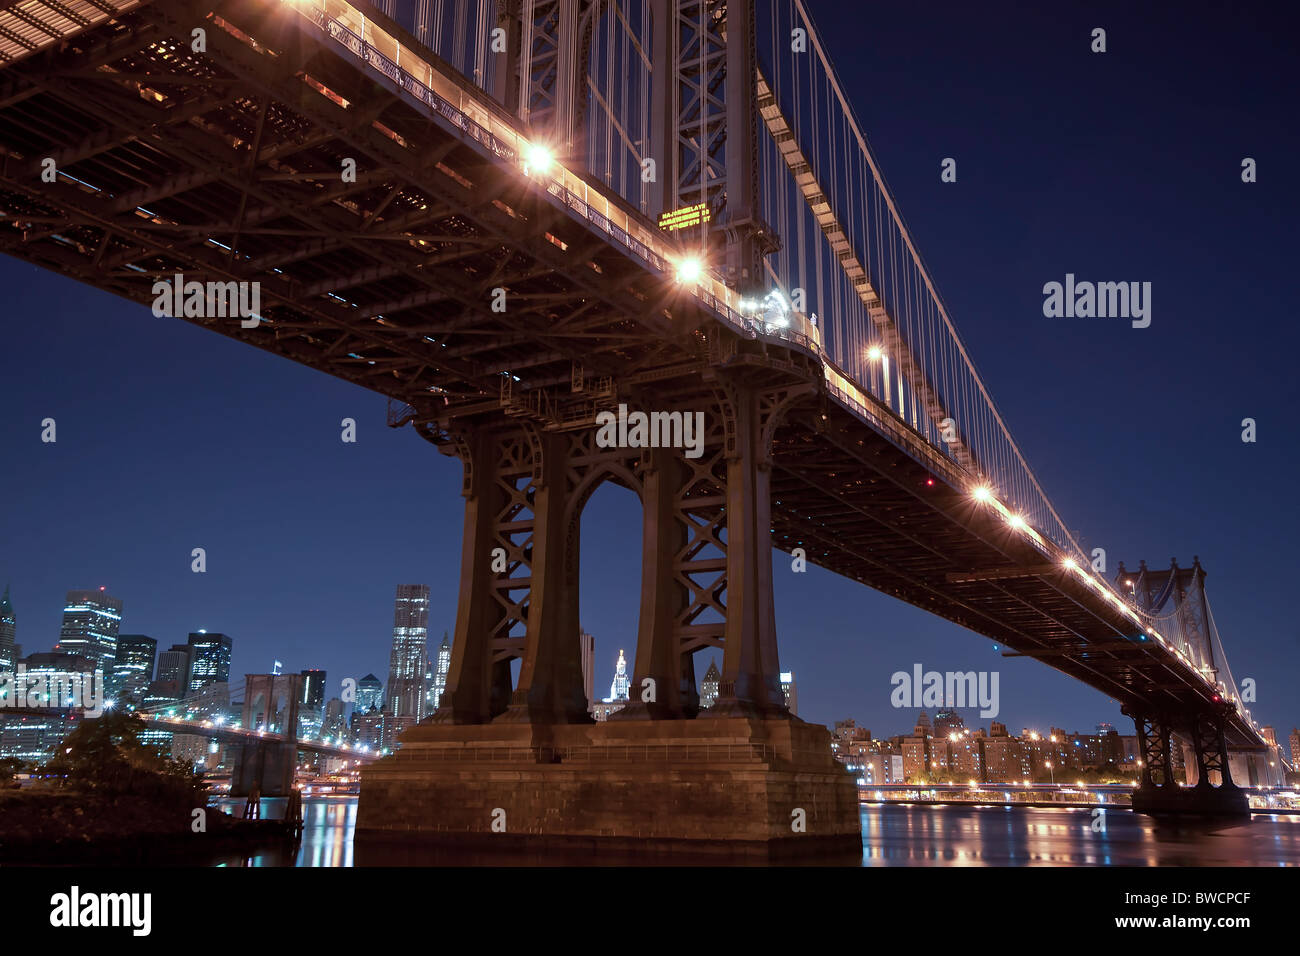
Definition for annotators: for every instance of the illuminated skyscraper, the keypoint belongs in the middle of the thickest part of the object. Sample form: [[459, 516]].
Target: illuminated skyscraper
[[370, 693], [618, 692], [313, 688], [1295, 748], [791, 692], [407, 663], [333, 726], [8, 632], [709, 686], [90, 623], [209, 659], [618, 689], [133, 667], [440, 671]]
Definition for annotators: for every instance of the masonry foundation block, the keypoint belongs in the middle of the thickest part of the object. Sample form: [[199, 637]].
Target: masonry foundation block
[[732, 787], [1198, 801]]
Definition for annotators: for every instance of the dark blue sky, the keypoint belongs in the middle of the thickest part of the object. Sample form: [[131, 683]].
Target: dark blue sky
[[1119, 166]]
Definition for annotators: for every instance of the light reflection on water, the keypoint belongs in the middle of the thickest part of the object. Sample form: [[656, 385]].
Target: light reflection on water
[[914, 835]]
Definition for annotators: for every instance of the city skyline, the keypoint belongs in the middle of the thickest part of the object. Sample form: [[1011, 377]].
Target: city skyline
[[412, 617], [434, 651]]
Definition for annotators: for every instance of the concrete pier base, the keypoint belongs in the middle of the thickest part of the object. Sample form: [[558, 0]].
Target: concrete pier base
[[1199, 801], [737, 788]]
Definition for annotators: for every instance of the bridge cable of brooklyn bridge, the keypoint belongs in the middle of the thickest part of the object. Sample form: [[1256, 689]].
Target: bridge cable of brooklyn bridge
[[514, 217]]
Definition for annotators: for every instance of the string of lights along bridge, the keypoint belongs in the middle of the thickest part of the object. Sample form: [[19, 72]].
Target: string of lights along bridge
[[512, 216]]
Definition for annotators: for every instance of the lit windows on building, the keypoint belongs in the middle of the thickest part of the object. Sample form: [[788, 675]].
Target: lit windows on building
[[407, 663], [791, 692], [133, 667], [90, 623], [210, 659], [709, 686]]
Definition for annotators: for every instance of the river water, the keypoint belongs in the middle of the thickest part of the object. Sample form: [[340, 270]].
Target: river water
[[914, 835]]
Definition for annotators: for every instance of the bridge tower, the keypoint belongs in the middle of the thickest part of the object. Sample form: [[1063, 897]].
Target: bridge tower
[[267, 766], [1198, 725], [745, 775]]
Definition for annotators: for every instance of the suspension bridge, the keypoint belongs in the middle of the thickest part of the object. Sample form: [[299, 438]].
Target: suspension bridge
[[512, 216]]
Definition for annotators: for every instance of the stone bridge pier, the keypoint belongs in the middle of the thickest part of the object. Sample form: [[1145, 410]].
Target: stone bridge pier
[[1212, 792], [518, 763]]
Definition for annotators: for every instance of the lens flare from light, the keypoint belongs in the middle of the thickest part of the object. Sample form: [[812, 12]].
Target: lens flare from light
[[689, 270], [540, 159]]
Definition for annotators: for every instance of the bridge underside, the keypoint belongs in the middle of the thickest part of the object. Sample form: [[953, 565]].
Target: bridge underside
[[227, 165]]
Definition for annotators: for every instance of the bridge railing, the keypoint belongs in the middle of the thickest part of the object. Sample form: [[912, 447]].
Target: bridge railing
[[471, 110], [849, 253]]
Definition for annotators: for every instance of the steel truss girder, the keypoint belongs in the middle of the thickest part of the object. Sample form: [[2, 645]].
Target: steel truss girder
[[269, 206], [704, 109]]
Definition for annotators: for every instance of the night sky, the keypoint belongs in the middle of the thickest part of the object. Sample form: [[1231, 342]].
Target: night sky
[[1123, 166]]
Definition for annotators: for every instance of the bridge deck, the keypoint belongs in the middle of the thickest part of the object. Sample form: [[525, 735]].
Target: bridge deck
[[226, 166]]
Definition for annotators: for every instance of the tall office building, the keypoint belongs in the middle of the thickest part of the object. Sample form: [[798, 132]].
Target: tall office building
[[90, 623], [790, 691], [133, 667], [210, 659], [618, 692], [436, 684], [1295, 749], [370, 693], [8, 633], [173, 679], [429, 706], [32, 737], [587, 648], [313, 688], [332, 726], [709, 686], [407, 663], [619, 688]]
